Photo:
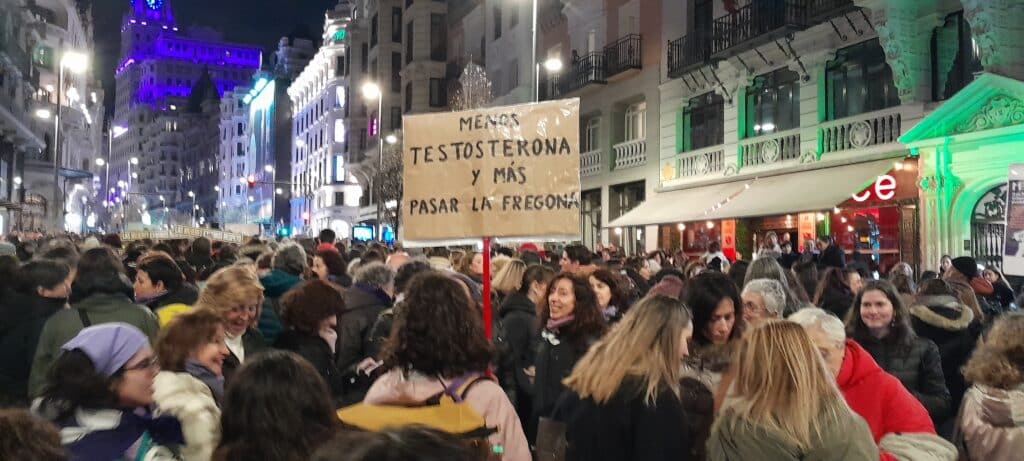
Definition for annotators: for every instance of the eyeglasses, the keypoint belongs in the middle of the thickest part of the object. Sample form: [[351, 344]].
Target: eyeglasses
[[147, 364]]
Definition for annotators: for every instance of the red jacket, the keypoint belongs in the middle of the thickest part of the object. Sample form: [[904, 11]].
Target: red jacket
[[879, 397]]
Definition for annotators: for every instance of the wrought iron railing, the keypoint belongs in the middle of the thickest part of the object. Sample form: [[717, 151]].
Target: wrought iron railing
[[585, 70], [625, 54], [687, 53], [756, 19]]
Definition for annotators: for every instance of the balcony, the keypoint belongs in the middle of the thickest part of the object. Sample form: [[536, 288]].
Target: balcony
[[861, 131], [770, 149], [585, 71], [756, 24], [630, 154], [823, 10], [624, 57], [701, 163], [687, 53], [590, 163]]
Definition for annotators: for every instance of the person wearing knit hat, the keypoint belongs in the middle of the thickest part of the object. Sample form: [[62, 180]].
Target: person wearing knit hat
[[98, 394], [965, 269]]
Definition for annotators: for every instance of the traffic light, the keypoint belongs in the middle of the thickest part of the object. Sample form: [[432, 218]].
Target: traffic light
[[284, 232], [251, 181]]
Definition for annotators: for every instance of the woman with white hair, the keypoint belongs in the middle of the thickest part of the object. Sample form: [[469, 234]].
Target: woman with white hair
[[897, 420], [763, 299]]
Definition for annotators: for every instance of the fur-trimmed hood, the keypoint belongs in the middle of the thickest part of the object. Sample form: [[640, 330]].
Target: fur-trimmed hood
[[942, 311]]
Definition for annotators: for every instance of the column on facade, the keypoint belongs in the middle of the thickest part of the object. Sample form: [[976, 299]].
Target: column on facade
[[939, 187], [998, 30]]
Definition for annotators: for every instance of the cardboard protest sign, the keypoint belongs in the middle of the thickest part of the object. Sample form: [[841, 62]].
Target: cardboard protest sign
[[509, 171], [183, 232]]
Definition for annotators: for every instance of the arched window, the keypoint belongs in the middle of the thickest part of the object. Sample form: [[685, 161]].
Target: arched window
[[988, 227]]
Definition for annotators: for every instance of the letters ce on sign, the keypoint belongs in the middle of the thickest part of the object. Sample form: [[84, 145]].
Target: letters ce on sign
[[884, 188]]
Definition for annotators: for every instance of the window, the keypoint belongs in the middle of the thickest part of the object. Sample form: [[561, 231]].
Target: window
[[396, 69], [497, 21], [373, 68], [339, 66], [438, 92], [513, 15], [238, 190], [396, 118], [773, 103], [364, 56], [703, 122], [238, 150], [955, 57], [240, 129], [362, 139], [636, 121], [408, 42], [373, 31], [396, 25], [408, 97], [438, 37], [591, 135], [858, 81]]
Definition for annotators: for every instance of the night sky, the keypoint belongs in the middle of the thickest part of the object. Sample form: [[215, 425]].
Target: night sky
[[257, 22]]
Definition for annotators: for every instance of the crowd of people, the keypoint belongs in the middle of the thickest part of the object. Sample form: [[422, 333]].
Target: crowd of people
[[320, 349]]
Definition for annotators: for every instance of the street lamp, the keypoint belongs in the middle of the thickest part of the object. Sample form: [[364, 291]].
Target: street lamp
[[371, 91], [391, 139], [43, 114], [75, 63]]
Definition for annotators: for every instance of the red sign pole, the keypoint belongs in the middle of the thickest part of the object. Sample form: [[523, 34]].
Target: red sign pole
[[487, 287]]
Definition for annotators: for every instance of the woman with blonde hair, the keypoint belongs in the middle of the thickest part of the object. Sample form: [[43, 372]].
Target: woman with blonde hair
[[236, 294], [784, 404], [508, 279], [623, 399], [991, 426]]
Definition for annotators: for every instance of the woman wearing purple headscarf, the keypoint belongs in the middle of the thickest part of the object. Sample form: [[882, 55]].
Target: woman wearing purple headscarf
[[98, 393]]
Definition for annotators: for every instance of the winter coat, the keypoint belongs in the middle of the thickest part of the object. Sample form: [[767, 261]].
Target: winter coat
[[362, 306], [191, 401], [917, 365], [62, 326], [314, 349], [106, 434], [252, 343], [836, 301], [380, 331], [992, 423], [22, 317], [186, 294], [1002, 295], [555, 356], [199, 262], [485, 397], [846, 438], [878, 397], [708, 363], [624, 427], [833, 256], [517, 332], [952, 327], [275, 284]]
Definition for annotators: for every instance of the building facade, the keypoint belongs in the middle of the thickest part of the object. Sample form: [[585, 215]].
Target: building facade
[[158, 69]]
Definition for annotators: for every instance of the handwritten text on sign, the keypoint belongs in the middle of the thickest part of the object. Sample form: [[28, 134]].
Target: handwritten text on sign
[[502, 172]]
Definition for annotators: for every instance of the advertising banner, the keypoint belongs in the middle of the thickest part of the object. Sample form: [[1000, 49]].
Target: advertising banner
[[509, 171], [1013, 255]]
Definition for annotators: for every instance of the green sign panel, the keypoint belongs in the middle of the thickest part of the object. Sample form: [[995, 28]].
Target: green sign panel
[[339, 35]]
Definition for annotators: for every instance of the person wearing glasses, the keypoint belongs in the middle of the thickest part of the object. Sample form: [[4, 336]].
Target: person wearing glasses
[[237, 295], [99, 392]]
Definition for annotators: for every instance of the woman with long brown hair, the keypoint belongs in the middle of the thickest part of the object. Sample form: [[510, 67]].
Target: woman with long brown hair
[[632, 374], [762, 417], [570, 322]]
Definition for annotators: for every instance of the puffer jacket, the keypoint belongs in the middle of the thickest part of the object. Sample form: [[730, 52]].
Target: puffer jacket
[[952, 327], [918, 366], [879, 398], [918, 447], [845, 438], [191, 401], [992, 423]]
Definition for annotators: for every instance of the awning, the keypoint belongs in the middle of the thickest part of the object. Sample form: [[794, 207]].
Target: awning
[[812, 190], [676, 206]]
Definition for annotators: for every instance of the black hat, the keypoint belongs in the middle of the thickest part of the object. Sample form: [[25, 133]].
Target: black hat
[[966, 265]]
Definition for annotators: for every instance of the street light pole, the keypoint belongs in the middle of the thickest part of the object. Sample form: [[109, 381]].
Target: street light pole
[[533, 56], [380, 168], [58, 207]]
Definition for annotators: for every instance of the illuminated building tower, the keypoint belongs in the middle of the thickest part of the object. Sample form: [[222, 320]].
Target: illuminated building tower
[[159, 67], [324, 193]]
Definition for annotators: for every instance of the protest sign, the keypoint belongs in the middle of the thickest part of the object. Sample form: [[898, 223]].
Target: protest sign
[[509, 171]]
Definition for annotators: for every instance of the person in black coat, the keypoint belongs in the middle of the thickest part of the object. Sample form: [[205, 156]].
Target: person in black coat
[[40, 290], [624, 398], [570, 322], [881, 324], [831, 254], [159, 282], [365, 300], [938, 314], [516, 335], [310, 316], [1002, 294]]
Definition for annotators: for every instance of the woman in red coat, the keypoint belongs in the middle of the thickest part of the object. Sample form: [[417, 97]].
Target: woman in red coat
[[878, 397]]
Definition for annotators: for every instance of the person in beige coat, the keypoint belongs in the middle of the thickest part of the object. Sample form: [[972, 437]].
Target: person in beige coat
[[991, 423], [191, 351]]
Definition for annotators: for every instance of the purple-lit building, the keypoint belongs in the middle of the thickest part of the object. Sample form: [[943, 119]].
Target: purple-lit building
[[158, 69]]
